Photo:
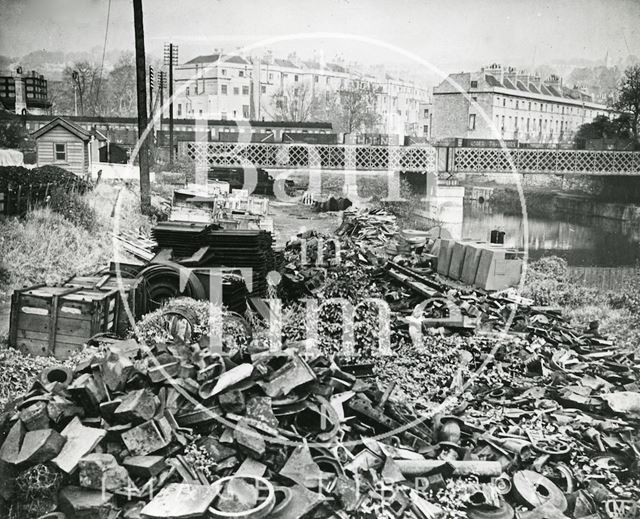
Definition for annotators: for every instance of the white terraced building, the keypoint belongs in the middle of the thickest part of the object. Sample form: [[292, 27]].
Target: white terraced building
[[245, 88]]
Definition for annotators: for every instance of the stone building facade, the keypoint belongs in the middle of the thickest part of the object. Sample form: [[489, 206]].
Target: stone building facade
[[499, 102], [232, 87]]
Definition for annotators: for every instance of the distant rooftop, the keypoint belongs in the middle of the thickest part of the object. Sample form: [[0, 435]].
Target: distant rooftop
[[212, 58]]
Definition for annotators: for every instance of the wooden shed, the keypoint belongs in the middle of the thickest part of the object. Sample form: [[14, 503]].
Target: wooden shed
[[63, 144]]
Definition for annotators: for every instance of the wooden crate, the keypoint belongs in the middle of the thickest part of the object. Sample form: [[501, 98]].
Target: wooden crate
[[58, 321], [134, 295]]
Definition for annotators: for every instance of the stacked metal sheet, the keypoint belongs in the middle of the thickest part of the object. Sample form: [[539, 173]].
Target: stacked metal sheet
[[242, 248], [184, 238]]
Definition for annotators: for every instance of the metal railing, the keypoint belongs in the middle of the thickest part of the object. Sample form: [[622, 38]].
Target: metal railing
[[320, 156], [582, 162]]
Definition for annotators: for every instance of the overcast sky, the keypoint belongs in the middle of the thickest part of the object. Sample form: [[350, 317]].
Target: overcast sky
[[453, 34]]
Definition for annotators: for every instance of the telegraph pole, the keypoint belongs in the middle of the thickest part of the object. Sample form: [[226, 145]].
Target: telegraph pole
[[141, 83], [171, 59]]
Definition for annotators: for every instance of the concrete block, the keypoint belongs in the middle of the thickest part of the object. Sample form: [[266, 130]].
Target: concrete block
[[39, 447], [457, 259], [12, 443], [82, 503], [179, 500], [101, 471], [471, 262], [35, 416], [145, 466], [444, 256], [136, 407], [498, 269], [81, 440], [146, 438]]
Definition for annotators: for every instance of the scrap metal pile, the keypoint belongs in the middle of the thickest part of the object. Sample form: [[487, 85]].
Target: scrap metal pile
[[461, 416]]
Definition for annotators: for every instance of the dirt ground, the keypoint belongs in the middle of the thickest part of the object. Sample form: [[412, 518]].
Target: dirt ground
[[289, 219]]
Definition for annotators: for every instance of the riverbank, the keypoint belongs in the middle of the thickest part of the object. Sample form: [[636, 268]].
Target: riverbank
[[543, 200]]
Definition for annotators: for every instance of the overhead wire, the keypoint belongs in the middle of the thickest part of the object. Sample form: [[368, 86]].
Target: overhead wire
[[104, 49]]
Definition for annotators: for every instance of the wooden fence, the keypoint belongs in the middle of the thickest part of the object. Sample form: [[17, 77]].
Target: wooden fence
[[605, 278]]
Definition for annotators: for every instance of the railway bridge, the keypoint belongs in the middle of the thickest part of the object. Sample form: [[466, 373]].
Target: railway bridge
[[423, 158]]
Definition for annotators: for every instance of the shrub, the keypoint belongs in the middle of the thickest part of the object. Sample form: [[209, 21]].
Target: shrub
[[73, 207], [45, 247]]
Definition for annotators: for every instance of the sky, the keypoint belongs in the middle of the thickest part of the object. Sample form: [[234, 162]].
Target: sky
[[453, 35]]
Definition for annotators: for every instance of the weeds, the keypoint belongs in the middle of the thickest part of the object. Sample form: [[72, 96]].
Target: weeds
[[74, 208], [618, 313]]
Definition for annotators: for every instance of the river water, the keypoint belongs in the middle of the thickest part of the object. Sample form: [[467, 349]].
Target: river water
[[582, 241]]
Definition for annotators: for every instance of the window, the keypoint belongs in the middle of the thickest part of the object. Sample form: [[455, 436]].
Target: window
[[236, 91], [472, 121], [474, 84], [200, 113], [425, 130], [529, 105], [223, 116], [528, 121], [270, 76], [295, 77], [504, 102], [245, 90], [263, 89], [234, 114], [223, 90], [187, 91], [426, 112], [179, 109], [245, 111], [61, 152], [517, 103], [315, 79], [224, 72], [241, 73]]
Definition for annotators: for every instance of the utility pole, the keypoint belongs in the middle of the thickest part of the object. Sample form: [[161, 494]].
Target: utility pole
[[143, 156], [171, 59]]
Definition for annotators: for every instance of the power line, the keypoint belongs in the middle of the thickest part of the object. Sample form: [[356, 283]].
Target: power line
[[104, 49]]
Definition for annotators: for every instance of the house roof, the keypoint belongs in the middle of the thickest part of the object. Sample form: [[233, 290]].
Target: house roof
[[212, 58], [69, 126], [544, 89], [285, 63]]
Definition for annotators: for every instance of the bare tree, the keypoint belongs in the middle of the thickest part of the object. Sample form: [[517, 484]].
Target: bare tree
[[84, 77], [295, 103], [121, 91], [353, 108], [628, 100]]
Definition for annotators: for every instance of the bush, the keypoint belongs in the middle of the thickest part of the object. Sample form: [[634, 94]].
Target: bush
[[21, 176], [45, 247], [74, 208]]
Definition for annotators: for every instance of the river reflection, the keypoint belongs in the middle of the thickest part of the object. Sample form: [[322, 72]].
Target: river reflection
[[582, 241]]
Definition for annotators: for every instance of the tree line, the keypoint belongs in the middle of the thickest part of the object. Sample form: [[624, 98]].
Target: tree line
[[90, 90]]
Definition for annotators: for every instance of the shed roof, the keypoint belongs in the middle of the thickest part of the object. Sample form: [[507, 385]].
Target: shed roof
[[69, 126]]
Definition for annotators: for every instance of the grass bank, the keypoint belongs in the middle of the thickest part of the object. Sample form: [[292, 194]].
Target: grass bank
[[618, 313], [70, 236]]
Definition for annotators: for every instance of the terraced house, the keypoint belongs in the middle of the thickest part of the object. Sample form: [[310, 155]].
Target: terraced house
[[225, 86], [499, 102]]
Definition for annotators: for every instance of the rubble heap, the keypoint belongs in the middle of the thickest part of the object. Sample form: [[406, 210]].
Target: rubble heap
[[508, 411]]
